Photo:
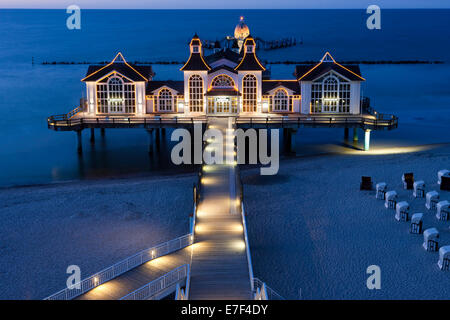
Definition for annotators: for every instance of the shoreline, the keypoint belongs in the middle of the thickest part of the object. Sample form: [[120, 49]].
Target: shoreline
[[137, 177]]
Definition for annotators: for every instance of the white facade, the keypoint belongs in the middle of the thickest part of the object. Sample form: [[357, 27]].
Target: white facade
[[229, 86]]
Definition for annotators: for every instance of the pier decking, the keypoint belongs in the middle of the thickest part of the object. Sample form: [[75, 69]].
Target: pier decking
[[138, 277], [219, 268]]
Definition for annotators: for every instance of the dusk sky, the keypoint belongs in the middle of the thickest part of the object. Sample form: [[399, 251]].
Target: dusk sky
[[229, 4]]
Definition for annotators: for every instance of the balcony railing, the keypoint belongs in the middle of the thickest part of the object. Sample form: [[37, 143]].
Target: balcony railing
[[121, 267], [157, 286]]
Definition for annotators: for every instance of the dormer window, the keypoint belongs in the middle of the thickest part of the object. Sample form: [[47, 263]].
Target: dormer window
[[195, 49], [250, 49]]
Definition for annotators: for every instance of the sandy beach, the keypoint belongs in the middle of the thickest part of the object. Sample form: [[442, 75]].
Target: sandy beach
[[92, 224], [313, 233]]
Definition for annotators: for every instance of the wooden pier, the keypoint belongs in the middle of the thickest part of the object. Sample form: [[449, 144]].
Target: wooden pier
[[220, 265]]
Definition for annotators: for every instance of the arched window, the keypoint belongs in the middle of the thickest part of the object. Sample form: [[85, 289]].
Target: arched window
[[222, 81], [249, 94], [116, 95], [165, 100], [330, 94], [280, 100], [196, 93]]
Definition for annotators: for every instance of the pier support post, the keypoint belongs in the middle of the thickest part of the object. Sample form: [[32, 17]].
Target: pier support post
[[366, 140], [102, 132], [355, 134], [287, 136], [80, 144], [346, 133], [158, 137], [150, 141], [92, 139]]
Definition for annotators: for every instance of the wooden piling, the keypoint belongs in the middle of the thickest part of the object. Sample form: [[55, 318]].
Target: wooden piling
[[80, 144]]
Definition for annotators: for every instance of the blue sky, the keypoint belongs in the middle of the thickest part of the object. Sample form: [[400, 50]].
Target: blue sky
[[229, 4]]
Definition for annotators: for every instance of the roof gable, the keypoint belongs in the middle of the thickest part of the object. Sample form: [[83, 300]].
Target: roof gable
[[119, 64], [326, 64], [226, 54], [178, 86], [269, 85]]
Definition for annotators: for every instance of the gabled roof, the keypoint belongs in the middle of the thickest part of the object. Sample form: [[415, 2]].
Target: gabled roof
[[249, 60], [119, 64], [268, 85], [175, 85], [195, 61], [227, 54], [222, 67], [326, 64]]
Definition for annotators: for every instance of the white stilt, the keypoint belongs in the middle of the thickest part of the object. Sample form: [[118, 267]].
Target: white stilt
[[366, 140]]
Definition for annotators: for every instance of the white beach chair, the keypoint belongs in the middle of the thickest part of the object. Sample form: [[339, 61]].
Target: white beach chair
[[441, 173], [444, 258], [430, 239], [419, 189], [390, 199], [443, 210], [432, 200], [381, 190], [401, 211], [416, 223]]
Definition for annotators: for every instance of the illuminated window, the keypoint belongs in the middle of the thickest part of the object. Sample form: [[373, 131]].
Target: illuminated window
[[130, 98], [331, 95], [222, 81], [102, 98], [196, 93], [344, 97], [249, 95], [280, 100], [165, 100], [116, 95]]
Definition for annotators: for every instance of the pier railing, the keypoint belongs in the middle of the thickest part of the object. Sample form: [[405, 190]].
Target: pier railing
[[380, 121], [121, 267], [66, 116], [158, 286], [271, 294], [247, 246], [64, 122]]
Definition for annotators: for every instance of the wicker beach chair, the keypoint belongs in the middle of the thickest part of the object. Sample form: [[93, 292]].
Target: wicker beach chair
[[366, 183], [408, 180]]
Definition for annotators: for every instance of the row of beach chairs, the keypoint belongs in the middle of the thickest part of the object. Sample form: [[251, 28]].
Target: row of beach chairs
[[431, 235], [409, 183]]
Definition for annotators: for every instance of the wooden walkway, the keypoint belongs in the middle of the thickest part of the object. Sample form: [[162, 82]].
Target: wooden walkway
[[138, 277], [219, 267], [218, 258]]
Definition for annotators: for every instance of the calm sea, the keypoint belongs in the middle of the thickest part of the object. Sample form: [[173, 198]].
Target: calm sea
[[31, 154]]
